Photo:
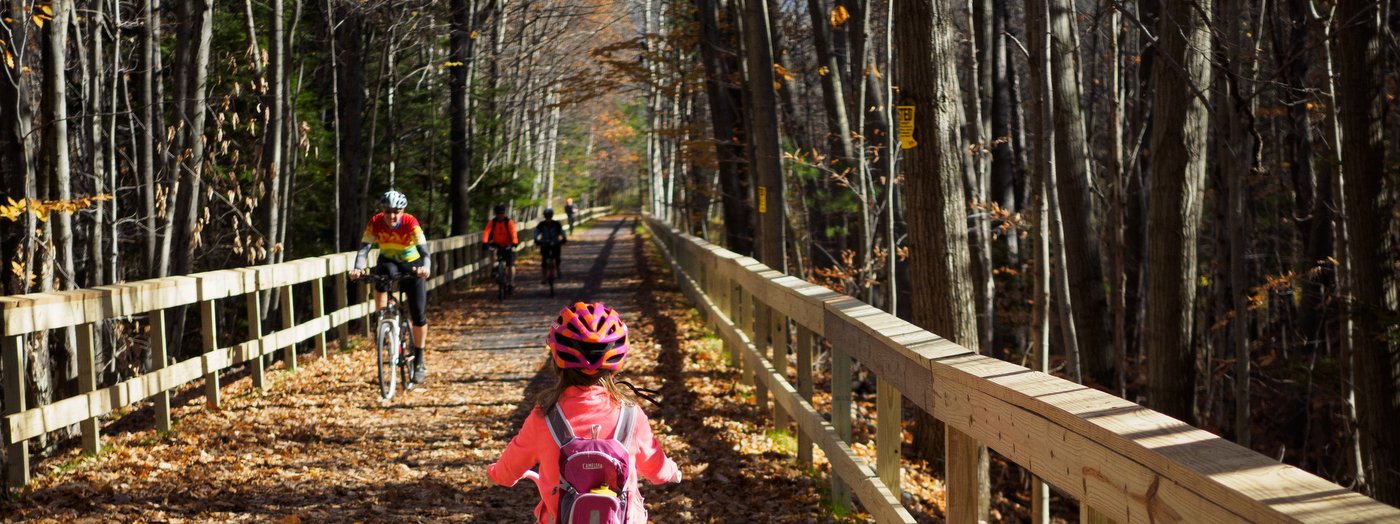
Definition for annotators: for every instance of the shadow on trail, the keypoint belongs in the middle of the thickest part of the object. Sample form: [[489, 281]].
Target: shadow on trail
[[593, 284]]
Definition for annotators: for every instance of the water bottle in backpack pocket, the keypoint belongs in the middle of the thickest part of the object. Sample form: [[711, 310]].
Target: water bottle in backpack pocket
[[593, 472]]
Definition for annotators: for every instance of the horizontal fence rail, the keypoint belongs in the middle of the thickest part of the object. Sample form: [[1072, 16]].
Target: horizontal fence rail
[[454, 258], [1125, 462]]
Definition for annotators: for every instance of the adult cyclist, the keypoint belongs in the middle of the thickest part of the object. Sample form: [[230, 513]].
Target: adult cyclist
[[402, 251], [570, 211], [549, 236], [500, 234]]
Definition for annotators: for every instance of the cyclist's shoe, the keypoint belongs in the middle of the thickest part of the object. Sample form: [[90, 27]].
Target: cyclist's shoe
[[419, 368]]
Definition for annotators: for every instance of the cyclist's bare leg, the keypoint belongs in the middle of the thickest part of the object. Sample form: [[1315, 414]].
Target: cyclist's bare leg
[[420, 335], [381, 300]]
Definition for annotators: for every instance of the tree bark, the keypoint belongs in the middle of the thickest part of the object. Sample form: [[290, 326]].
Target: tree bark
[[1369, 205], [462, 45], [938, 252], [1075, 179], [1174, 214], [198, 22], [838, 126], [145, 150], [768, 193], [351, 86], [726, 124], [1239, 162]]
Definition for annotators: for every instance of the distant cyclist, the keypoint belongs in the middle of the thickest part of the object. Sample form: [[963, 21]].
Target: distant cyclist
[[549, 236], [571, 212], [500, 234], [402, 250]]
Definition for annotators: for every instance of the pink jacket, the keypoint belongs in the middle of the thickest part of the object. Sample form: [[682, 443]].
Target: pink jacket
[[584, 407]]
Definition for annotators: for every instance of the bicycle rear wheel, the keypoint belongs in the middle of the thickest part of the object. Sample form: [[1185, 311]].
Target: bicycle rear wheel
[[387, 350]]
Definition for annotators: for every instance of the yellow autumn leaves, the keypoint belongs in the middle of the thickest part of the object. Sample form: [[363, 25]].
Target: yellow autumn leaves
[[40, 14], [41, 208]]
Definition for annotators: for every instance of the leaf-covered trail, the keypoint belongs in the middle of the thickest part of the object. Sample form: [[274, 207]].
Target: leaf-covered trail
[[320, 446]]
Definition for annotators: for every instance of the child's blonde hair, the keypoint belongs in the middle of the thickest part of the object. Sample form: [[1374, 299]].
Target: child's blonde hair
[[567, 378]]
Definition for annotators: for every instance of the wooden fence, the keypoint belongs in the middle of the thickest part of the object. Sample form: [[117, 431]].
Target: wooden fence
[[454, 258], [1123, 462]]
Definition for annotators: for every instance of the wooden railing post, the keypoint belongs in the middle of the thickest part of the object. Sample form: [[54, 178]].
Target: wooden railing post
[[841, 415], [804, 388], [743, 317], [87, 383], [729, 301], [342, 300], [369, 298], [208, 333], [289, 320], [17, 473], [318, 310], [758, 335], [255, 341], [778, 342], [888, 434], [960, 474], [158, 362]]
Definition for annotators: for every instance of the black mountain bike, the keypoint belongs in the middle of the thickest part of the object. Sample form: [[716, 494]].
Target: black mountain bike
[[500, 272], [551, 269], [393, 336]]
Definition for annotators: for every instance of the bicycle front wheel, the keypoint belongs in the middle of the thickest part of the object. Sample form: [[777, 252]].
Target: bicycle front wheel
[[386, 353], [405, 361]]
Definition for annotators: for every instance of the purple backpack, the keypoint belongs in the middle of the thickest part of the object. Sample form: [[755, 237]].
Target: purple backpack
[[592, 464]]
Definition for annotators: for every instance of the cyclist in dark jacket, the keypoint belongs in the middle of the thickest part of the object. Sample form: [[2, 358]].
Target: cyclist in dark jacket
[[549, 236]]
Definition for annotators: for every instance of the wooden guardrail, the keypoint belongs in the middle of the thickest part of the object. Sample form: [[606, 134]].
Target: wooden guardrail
[[1123, 461], [454, 258]]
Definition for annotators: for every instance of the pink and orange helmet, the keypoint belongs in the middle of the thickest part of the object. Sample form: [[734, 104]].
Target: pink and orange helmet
[[589, 338]]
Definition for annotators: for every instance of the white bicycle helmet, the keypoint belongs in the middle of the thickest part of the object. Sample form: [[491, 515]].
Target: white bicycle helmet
[[393, 200]]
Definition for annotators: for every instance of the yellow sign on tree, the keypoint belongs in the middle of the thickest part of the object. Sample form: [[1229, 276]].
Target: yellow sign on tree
[[762, 199], [906, 127]]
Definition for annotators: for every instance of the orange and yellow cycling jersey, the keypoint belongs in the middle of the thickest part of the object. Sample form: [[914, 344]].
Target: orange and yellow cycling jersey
[[397, 243]]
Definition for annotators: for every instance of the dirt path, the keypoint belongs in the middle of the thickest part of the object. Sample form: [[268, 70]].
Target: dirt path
[[321, 447]]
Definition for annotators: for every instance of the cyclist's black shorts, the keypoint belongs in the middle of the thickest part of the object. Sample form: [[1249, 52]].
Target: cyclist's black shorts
[[415, 288], [508, 253], [550, 253]]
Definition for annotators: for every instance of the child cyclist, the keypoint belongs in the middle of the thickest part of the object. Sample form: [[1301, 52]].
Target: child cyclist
[[588, 347]]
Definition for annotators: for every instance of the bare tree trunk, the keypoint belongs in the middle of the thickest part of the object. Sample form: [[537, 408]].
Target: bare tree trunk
[[727, 126], [1117, 196], [975, 180], [1369, 217], [838, 126], [56, 51], [1043, 161], [273, 133], [1075, 178], [198, 23], [768, 196], [56, 98], [1239, 162], [93, 119], [462, 45], [350, 84], [938, 259], [1177, 172], [145, 149]]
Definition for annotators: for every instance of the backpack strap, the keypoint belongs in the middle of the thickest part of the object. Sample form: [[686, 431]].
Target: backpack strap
[[625, 423], [559, 426]]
